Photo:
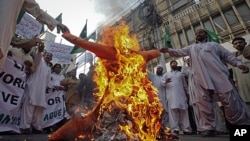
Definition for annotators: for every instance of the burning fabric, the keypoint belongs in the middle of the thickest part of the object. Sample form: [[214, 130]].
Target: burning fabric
[[128, 107]]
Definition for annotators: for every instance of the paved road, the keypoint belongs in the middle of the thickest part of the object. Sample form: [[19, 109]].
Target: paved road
[[43, 137]]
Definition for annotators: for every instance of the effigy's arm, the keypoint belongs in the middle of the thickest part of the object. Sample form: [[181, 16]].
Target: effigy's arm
[[101, 51], [150, 54]]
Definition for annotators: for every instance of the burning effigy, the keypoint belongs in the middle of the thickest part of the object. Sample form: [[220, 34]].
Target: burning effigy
[[128, 108]]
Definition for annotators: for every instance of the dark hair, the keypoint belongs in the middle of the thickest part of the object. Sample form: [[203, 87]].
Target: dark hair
[[238, 38], [173, 61], [57, 65], [50, 64]]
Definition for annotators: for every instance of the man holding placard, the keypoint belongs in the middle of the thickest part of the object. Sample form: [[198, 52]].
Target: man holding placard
[[9, 10]]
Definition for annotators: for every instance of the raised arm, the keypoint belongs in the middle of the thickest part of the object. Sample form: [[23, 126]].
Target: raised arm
[[150, 54], [101, 51], [32, 7]]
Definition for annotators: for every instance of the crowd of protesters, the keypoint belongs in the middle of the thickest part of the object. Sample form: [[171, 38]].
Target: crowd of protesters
[[35, 93], [196, 99], [214, 95]]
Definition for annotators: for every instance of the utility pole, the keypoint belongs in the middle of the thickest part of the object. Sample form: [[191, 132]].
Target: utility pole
[[157, 22]]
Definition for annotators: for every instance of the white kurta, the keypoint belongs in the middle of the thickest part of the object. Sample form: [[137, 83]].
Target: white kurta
[[56, 79], [156, 81], [177, 101], [207, 64], [243, 80], [176, 90], [9, 11], [34, 99], [37, 84], [209, 79]]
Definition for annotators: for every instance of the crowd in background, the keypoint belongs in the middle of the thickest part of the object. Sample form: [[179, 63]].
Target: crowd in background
[[210, 92], [201, 97]]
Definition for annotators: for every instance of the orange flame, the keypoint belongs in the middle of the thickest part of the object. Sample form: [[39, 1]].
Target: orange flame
[[128, 84]]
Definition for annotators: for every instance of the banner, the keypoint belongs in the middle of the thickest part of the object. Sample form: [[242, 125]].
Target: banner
[[61, 53], [56, 109], [167, 38], [28, 27], [12, 82]]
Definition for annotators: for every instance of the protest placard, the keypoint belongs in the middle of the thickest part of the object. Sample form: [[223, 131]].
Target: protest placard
[[28, 27], [61, 52]]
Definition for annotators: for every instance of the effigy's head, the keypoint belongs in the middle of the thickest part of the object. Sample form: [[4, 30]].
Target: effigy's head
[[120, 38]]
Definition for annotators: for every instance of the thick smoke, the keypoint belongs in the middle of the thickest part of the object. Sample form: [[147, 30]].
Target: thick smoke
[[110, 7]]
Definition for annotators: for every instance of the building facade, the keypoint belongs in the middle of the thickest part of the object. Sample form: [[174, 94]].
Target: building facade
[[150, 18]]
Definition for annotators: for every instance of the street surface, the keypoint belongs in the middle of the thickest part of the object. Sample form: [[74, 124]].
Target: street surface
[[44, 137]]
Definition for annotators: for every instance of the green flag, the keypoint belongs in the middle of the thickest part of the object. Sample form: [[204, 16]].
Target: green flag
[[59, 19], [92, 36], [42, 29], [212, 36], [83, 34], [20, 16], [167, 38]]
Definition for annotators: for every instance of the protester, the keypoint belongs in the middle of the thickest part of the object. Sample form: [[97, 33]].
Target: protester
[[22, 48], [191, 97], [72, 97], [55, 98], [210, 81], [13, 79], [155, 78], [242, 81], [34, 101], [57, 77], [176, 89], [86, 89], [9, 10]]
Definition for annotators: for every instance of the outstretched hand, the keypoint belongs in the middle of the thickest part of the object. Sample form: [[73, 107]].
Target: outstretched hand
[[244, 68], [63, 27], [164, 50]]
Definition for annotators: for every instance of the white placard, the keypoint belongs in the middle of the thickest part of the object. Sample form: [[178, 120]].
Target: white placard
[[28, 27], [12, 84], [61, 52], [55, 108]]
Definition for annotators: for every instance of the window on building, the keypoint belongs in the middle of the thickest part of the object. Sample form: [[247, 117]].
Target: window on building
[[231, 18], [244, 11], [196, 1], [207, 25], [182, 39], [196, 27], [190, 36], [176, 4], [219, 23]]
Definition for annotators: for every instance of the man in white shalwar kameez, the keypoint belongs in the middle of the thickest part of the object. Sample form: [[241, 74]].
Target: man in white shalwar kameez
[[219, 117], [176, 88], [155, 78], [210, 79], [9, 11], [242, 81], [34, 102]]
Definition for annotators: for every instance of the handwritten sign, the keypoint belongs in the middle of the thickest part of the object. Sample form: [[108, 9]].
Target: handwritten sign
[[61, 53], [28, 27]]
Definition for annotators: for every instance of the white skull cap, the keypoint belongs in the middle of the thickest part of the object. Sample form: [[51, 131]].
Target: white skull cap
[[161, 66]]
